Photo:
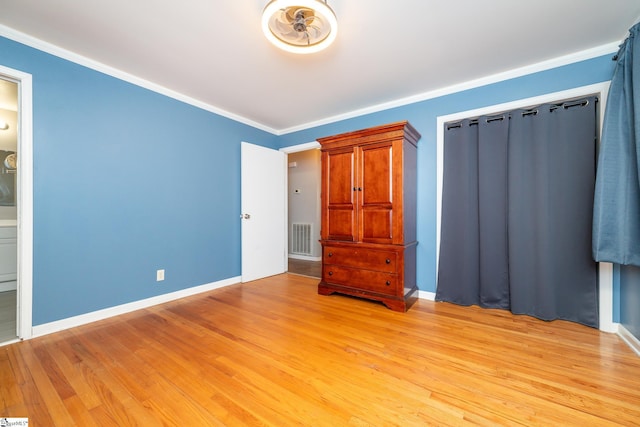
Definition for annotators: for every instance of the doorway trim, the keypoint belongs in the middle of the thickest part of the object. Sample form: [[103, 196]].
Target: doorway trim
[[300, 147], [289, 150], [25, 200]]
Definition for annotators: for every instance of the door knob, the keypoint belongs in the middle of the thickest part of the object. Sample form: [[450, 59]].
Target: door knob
[[245, 216]]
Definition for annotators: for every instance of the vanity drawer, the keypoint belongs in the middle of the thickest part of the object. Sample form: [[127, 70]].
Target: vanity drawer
[[374, 281], [361, 258]]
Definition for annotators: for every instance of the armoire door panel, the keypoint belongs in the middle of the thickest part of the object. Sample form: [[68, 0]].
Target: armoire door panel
[[338, 196], [377, 178], [340, 177], [340, 224], [375, 213], [377, 225]]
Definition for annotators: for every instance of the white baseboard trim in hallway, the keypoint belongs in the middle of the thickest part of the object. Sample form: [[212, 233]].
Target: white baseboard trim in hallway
[[305, 257]]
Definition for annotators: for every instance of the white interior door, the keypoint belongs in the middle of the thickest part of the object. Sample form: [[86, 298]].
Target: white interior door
[[264, 219]]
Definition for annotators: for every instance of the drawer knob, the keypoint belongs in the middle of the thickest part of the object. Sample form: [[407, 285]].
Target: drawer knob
[[331, 273], [330, 253], [388, 283], [388, 261]]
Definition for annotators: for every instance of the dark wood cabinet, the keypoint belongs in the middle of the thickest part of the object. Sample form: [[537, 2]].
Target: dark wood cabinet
[[368, 233]]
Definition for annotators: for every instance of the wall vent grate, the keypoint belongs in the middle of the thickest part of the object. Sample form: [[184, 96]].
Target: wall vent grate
[[301, 239]]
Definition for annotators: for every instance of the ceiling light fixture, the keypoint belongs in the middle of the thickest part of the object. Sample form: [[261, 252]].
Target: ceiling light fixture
[[299, 26]]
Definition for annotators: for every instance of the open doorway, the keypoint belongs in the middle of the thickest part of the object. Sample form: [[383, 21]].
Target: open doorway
[[303, 210], [8, 210], [17, 208]]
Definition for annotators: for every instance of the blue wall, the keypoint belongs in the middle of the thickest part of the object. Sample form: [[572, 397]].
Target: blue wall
[[126, 181]]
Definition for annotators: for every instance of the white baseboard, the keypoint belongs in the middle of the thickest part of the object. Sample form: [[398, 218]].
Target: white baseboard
[[8, 286], [71, 322], [431, 296], [629, 338], [305, 258]]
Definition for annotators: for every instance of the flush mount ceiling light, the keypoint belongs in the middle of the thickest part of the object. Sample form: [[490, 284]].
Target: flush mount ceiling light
[[299, 26]]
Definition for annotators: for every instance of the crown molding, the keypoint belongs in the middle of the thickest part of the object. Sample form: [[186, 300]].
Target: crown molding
[[52, 49], [471, 84]]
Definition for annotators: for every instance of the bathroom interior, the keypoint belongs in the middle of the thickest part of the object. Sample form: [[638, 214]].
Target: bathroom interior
[[8, 208]]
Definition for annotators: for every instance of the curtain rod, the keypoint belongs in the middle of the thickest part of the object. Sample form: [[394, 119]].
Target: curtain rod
[[528, 112]]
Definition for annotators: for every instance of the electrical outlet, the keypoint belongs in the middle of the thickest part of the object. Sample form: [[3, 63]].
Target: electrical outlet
[[159, 275]]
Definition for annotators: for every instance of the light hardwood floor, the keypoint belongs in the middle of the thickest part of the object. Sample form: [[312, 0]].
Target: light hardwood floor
[[305, 268], [274, 353]]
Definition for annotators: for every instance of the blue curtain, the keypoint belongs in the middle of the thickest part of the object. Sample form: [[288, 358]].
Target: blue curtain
[[517, 213], [616, 214]]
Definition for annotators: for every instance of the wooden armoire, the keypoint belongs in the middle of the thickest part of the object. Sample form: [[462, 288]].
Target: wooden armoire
[[368, 203]]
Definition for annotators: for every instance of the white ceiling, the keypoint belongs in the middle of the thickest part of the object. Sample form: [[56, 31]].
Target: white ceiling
[[213, 51]]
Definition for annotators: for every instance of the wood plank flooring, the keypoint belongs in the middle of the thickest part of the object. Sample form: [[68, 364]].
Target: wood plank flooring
[[305, 268], [274, 353]]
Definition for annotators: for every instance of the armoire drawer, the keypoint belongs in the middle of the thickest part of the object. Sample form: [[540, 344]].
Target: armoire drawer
[[374, 281], [361, 258]]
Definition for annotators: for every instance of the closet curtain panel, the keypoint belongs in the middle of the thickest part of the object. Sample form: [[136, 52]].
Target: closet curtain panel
[[516, 213], [473, 267], [616, 218]]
